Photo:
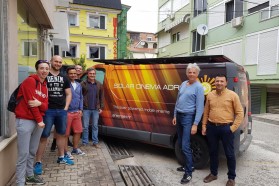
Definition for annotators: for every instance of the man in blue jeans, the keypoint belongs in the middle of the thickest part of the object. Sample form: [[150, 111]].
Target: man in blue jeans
[[187, 115], [93, 103], [59, 99]]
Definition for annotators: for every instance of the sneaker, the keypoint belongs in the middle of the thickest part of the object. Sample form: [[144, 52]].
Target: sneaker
[[70, 143], [68, 155], [34, 180], [38, 168], [182, 169], [186, 179], [65, 161], [77, 152], [53, 145]]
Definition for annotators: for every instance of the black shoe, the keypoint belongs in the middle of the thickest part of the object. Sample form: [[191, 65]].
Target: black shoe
[[186, 179], [53, 145], [182, 169], [70, 143]]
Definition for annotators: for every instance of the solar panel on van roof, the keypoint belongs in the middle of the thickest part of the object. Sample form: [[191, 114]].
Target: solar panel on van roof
[[172, 60]]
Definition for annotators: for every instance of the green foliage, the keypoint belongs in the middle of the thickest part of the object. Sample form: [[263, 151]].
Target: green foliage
[[80, 61]]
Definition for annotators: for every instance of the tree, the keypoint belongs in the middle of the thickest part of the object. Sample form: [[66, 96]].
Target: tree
[[80, 61]]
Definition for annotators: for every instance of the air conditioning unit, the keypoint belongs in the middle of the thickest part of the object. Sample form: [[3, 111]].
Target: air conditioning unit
[[172, 16], [237, 22]]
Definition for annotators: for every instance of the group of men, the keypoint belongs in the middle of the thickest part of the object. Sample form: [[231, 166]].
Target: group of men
[[72, 103], [222, 115]]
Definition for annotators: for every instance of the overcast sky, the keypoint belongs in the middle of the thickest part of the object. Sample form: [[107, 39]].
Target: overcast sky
[[142, 15]]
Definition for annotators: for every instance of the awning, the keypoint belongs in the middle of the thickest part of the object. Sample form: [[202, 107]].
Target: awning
[[185, 19], [60, 32]]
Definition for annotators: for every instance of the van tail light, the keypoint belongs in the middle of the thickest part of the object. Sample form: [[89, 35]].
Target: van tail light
[[249, 113], [248, 82], [235, 79]]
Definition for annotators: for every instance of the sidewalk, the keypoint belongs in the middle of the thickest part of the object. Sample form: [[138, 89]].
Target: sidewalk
[[267, 117], [95, 168]]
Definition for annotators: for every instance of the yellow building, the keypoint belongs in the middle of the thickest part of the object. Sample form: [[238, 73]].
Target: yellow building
[[93, 30]]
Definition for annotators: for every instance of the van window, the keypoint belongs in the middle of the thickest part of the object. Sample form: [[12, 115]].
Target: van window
[[100, 75]]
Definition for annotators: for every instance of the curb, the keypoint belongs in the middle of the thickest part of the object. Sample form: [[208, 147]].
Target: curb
[[271, 121], [116, 176]]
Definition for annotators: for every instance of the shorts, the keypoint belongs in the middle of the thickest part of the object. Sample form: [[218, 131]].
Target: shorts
[[74, 123], [56, 117]]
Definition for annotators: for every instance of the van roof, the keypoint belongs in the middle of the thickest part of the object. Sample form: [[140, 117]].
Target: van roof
[[171, 60]]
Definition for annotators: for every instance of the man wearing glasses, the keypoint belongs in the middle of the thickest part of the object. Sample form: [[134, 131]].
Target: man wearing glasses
[[93, 103], [60, 96]]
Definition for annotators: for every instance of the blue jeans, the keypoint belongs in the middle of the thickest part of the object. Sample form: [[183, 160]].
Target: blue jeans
[[184, 124], [94, 115], [214, 134], [58, 117]]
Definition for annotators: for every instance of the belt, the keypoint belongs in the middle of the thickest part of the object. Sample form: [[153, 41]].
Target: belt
[[218, 124]]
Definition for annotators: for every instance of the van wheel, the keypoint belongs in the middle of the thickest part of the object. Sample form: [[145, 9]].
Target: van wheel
[[200, 152]]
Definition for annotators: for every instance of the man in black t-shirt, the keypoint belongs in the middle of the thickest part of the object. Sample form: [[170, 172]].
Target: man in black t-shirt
[[59, 99]]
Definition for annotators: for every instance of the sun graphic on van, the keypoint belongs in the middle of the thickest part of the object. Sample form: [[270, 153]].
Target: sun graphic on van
[[207, 83]]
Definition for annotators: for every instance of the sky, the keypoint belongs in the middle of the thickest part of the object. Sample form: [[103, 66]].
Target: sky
[[142, 15]]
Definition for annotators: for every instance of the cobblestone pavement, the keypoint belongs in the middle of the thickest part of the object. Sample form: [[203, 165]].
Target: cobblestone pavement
[[96, 168]]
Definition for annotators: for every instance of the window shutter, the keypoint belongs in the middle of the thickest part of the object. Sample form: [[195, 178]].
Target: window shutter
[[102, 53], [268, 53], [215, 51], [102, 22], [252, 43], [234, 52], [216, 16]]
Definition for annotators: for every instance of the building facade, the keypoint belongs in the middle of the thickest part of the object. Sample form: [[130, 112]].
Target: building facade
[[93, 30], [122, 33], [141, 45], [245, 31], [37, 18]]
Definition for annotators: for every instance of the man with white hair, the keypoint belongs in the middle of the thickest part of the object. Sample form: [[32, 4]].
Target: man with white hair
[[187, 115]]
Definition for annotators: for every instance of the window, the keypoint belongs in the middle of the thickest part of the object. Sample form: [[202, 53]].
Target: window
[[73, 18], [145, 45], [258, 7], [198, 43], [229, 11], [274, 10], [72, 52], [149, 38], [199, 7], [97, 21], [96, 52], [155, 45], [56, 50], [178, 4], [164, 11], [233, 9], [29, 48], [175, 37]]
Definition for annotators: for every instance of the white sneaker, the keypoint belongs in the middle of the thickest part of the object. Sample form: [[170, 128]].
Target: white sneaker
[[78, 152], [69, 156]]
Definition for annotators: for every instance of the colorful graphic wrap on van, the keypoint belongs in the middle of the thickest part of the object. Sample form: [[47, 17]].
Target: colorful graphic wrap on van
[[142, 97]]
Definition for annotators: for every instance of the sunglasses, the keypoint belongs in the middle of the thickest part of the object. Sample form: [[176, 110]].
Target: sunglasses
[[42, 61]]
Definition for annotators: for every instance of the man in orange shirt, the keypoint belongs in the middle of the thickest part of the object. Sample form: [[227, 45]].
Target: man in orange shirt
[[222, 116]]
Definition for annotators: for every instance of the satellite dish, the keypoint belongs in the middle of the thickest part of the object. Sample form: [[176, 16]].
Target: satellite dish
[[202, 29], [142, 43]]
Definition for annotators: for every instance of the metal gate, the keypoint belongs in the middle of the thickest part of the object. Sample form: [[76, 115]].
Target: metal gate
[[256, 100], [272, 102]]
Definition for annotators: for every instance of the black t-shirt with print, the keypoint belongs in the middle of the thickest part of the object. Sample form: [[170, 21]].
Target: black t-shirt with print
[[56, 90]]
